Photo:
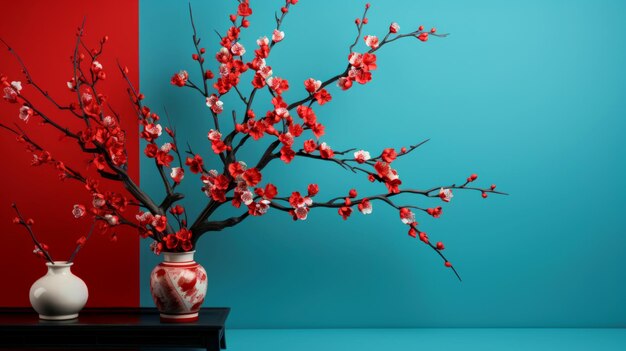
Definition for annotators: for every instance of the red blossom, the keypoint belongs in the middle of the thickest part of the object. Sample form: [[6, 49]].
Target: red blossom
[[164, 158], [180, 79], [177, 210], [177, 174], [318, 130], [310, 146], [344, 83], [435, 212], [322, 96], [235, 169], [313, 189], [307, 114], [286, 139], [219, 146], [244, 9], [159, 223], [268, 193], [345, 212], [258, 81], [424, 237], [365, 206], [296, 200], [311, 85], [394, 28], [287, 154], [256, 129], [252, 176], [183, 234], [325, 151], [195, 164], [279, 85], [171, 241], [296, 129], [389, 155]]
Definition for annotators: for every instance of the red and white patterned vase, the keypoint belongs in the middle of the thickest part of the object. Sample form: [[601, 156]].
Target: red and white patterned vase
[[178, 286]]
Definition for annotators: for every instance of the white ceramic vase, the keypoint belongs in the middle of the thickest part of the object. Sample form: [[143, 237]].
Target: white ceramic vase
[[58, 295]]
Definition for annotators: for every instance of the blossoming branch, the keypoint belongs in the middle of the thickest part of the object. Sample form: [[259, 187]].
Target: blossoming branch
[[292, 126], [41, 249]]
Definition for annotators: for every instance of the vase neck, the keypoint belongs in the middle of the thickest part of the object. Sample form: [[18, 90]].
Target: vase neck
[[178, 257], [59, 267]]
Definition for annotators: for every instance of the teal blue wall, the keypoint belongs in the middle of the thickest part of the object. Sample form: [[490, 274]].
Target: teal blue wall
[[528, 94]]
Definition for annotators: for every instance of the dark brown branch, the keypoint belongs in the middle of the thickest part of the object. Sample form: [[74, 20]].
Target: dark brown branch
[[445, 260], [359, 27], [219, 225], [25, 224], [31, 81], [196, 42], [76, 67], [80, 246], [18, 132]]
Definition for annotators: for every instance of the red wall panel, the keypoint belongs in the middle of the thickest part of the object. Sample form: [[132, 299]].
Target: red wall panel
[[43, 33]]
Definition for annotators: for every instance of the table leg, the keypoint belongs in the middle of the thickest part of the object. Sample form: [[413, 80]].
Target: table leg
[[223, 340]]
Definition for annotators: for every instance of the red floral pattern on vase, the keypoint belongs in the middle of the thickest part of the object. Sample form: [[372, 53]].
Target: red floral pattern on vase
[[178, 286]]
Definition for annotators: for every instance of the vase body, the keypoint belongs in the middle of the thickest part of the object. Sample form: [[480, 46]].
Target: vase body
[[58, 295], [178, 286]]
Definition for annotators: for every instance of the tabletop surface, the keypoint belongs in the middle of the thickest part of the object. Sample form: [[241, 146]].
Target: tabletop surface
[[122, 317]]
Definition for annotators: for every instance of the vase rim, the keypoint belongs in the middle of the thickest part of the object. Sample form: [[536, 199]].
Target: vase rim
[[178, 256], [179, 253], [60, 264]]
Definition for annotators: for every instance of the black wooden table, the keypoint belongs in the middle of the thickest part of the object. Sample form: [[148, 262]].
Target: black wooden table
[[112, 328]]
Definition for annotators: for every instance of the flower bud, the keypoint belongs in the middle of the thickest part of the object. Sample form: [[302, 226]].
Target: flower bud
[[484, 195], [440, 246], [448, 264], [421, 28]]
